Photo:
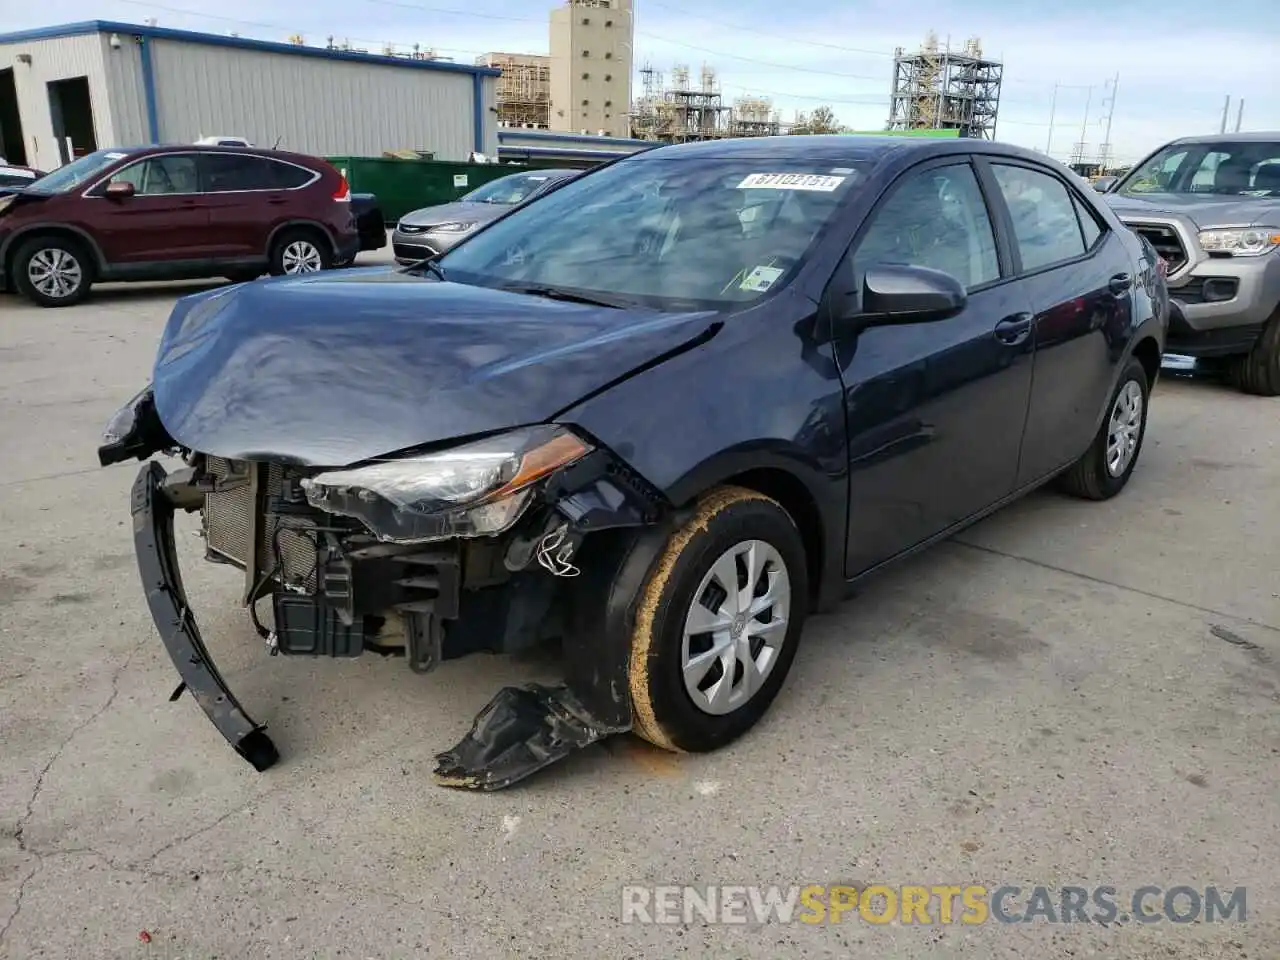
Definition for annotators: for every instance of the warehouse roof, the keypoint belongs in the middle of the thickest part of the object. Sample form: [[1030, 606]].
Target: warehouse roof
[[215, 40]]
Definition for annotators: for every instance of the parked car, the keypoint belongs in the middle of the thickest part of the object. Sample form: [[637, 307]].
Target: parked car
[[15, 177], [433, 230], [1211, 207], [823, 354], [168, 213]]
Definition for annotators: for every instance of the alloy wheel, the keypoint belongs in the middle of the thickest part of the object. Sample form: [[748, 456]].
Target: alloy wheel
[[1125, 429], [55, 272], [301, 256], [735, 627]]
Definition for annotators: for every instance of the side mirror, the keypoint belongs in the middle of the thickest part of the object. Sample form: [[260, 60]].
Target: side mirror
[[903, 294], [119, 190], [1105, 184]]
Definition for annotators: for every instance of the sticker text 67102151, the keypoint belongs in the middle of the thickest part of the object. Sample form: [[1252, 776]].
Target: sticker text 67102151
[[790, 181]]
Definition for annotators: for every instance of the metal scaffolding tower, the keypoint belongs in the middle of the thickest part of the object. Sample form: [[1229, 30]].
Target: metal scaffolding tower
[[937, 88], [683, 112]]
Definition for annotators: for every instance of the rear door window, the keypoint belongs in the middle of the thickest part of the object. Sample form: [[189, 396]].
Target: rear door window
[[1045, 223], [236, 172], [1090, 228]]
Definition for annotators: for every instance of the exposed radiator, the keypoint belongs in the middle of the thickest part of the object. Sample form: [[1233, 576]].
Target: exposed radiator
[[232, 513]]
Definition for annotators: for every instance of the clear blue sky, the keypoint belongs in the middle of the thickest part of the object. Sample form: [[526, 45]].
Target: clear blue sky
[[1177, 60]]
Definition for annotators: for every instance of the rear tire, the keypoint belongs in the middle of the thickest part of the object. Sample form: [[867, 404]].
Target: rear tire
[[299, 251], [1258, 371], [694, 690], [1106, 466], [53, 271]]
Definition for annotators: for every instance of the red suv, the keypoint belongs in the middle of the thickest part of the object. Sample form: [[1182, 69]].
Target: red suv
[[173, 213]]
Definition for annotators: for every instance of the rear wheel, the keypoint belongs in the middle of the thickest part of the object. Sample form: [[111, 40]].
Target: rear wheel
[[1258, 371], [53, 271], [718, 622], [300, 251], [1106, 466]]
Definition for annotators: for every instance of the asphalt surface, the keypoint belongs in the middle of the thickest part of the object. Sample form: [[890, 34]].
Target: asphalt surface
[[1043, 700]]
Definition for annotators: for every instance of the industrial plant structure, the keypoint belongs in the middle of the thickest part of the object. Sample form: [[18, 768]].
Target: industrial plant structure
[[590, 67], [941, 89], [524, 89], [683, 112]]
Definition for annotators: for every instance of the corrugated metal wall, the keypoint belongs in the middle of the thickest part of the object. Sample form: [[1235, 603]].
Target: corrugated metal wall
[[58, 59], [310, 104]]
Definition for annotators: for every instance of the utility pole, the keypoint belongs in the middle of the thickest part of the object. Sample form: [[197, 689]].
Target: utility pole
[[1226, 109], [1084, 126], [1104, 154], [1053, 109], [1240, 115]]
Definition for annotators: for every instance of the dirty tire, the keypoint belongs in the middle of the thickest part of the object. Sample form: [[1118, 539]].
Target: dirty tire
[[664, 712], [306, 242], [68, 255], [1089, 477], [1258, 371]]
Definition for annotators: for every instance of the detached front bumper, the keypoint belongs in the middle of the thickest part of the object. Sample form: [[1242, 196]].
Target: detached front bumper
[[153, 506]]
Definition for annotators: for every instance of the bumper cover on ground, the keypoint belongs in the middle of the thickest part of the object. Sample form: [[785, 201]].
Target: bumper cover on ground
[[158, 564]]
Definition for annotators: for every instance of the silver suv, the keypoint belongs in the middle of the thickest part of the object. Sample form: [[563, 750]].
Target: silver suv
[[1211, 208]]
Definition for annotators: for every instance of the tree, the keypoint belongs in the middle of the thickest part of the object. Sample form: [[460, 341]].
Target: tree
[[822, 120]]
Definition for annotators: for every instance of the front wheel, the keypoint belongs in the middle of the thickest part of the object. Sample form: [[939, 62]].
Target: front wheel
[[52, 271], [1106, 466], [1258, 371], [718, 622], [300, 251]]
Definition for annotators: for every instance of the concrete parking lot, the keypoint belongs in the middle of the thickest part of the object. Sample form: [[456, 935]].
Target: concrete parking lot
[[1067, 694]]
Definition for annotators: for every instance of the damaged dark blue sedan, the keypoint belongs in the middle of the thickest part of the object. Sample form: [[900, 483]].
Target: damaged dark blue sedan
[[658, 416]]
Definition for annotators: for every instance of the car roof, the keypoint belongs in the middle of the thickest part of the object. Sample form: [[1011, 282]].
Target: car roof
[[833, 147], [1256, 136], [158, 148]]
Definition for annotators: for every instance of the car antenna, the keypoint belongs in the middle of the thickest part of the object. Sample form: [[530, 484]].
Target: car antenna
[[276, 145]]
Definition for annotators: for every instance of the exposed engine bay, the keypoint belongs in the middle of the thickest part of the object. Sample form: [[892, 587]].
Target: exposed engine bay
[[484, 554]]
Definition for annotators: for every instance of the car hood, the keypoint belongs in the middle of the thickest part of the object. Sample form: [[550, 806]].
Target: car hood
[[451, 212], [1204, 212], [336, 368]]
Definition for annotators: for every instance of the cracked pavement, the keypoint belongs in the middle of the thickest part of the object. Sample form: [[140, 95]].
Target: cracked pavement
[[1067, 693]]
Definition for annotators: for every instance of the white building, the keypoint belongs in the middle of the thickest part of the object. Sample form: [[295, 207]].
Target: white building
[[102, 84]]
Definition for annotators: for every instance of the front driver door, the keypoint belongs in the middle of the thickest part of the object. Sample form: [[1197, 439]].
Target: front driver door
[[935, 411], [165, 219]]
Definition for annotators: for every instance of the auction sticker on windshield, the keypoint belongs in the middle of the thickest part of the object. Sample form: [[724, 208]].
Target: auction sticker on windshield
[[790, 181], [761, 279]]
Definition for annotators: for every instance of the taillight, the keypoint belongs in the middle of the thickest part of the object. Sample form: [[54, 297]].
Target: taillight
[[343, 193]]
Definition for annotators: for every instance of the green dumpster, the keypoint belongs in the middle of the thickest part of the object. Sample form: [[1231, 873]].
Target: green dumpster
[[404, 185]]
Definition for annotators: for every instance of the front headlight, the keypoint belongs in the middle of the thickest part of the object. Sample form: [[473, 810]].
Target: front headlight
[[1241, 241], [475, 490], [459, 226]]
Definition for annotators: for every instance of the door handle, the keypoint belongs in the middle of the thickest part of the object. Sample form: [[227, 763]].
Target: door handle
[[1120, 283], [1014, 330]]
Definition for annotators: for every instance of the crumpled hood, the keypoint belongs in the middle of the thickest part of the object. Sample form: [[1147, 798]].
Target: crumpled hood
[[1202, 210], [455, 212], [342, 366]]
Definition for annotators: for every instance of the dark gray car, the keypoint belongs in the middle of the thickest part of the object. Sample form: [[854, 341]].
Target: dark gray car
[[1211, 207], [432, 230]]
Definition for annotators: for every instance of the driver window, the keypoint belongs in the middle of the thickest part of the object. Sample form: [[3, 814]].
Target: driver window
[[161, 175], [934, 219]]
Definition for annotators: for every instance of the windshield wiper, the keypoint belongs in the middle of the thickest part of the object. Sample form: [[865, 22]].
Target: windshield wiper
[[569, 296]]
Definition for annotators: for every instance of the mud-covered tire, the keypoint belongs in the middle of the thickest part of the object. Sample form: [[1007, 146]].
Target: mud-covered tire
[[1090, 477], [725, 519], [1258, 371], [68, 256]]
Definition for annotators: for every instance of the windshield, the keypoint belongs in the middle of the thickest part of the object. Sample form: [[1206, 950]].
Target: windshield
[[508, 190], [1249, 168], [664, 231], [77, 172]]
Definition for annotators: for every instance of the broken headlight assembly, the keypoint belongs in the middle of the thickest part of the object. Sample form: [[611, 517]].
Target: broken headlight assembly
[[133, 432], [475, 490]]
